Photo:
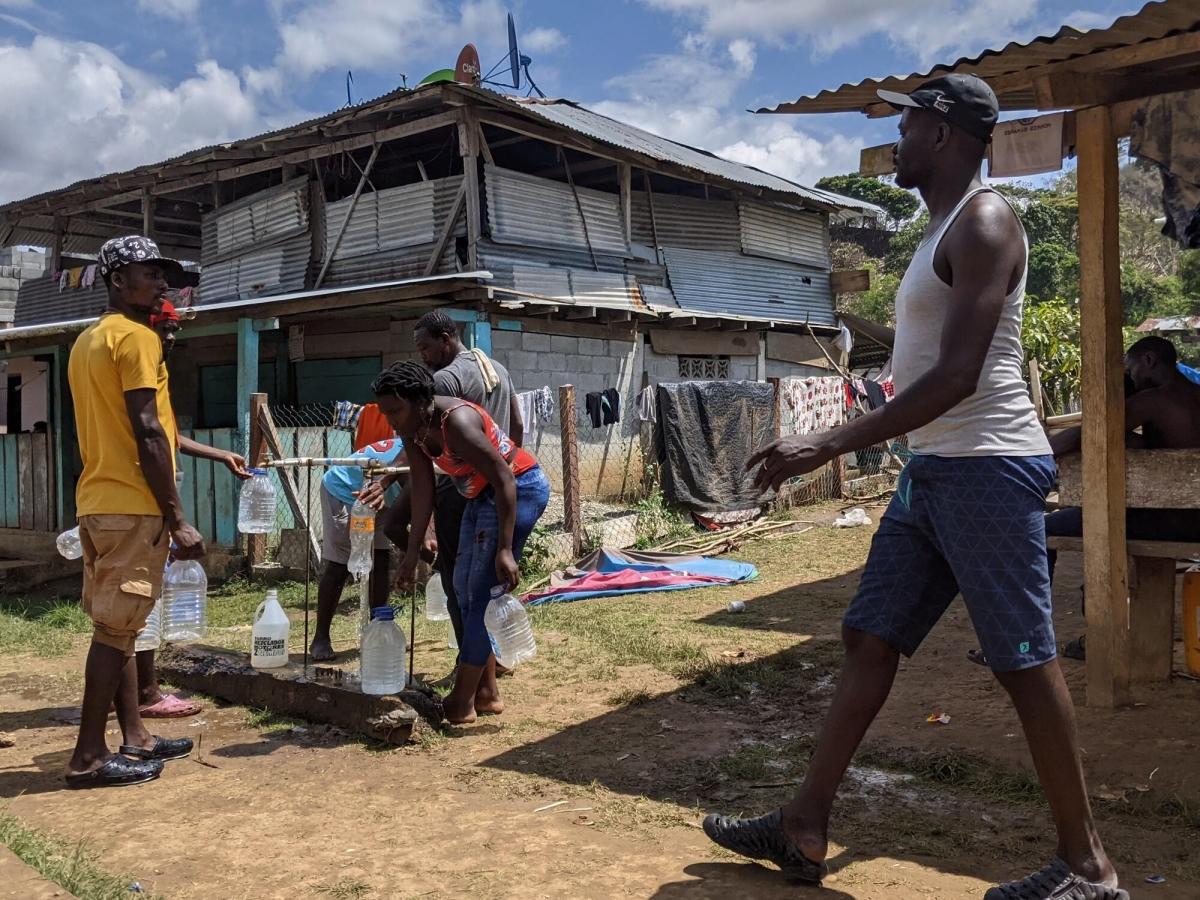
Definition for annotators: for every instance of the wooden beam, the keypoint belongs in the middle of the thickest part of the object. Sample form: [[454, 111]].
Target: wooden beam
[[585, 312], [877, 160], [850, 281], [247, 380], [1035, 390], [147, 213], [333, 248], [256, 544], [483, 144], [447, 230], [1154, 479], [1151, 619], [56, 246], [1106, 573], [468, 148], [625, 179], [290, 489], [1069, 90]]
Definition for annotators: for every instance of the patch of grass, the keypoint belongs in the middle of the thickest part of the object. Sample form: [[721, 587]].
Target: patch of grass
[[630, 697], [42, 627], [626, 633], [270, 722], [960, 771], [346, 889], [69, 865], [749, 763]]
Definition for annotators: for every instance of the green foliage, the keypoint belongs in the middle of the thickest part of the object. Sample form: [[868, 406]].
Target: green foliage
[[1050, 216], [1050, 334], [899, 204], [1053, 271], [658, 521], [1143, 294], [1189, 274], [905, 244], [878, 304]]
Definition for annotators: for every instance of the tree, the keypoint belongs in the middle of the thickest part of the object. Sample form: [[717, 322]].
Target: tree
[[1189, 275], [897, 203], [1053, 272], [878, 303], [1050, 334], [904, 244], [1143, 295]]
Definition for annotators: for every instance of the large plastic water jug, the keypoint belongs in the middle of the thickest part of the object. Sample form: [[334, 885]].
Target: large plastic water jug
[[269, 635], [508, 624], [150, 637], [256, 504], [383, 654], [68, 544], [362, 539], [436, 609], [185, 601]]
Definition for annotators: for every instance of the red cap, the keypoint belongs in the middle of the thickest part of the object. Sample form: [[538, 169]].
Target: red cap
[[166, 314]]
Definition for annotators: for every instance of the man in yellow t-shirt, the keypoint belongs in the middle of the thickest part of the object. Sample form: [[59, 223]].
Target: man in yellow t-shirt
[[127, 506]]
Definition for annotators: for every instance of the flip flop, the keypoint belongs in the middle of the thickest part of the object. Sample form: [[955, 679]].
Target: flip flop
[[117, 771], [1055, 882], [170, 707], [977, 656], [762, 838], [164, 749]]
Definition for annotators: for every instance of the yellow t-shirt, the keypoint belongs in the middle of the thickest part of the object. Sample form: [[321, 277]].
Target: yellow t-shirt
[[112, 357]]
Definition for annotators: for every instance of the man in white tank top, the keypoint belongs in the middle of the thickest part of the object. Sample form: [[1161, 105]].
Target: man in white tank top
[[968, 514]]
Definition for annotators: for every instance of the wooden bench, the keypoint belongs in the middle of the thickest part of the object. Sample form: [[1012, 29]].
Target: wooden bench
[[1151, 602]]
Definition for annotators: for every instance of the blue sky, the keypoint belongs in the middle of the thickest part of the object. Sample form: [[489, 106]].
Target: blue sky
[[95, 87]]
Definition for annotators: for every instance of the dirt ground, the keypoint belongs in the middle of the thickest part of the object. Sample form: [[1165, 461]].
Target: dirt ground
[[638, 716]]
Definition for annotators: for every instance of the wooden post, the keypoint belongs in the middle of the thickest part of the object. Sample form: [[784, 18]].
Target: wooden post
[[1035, 390], [1151, 619], [247, 378], [256, 546], [56, 247], [775, 382], [147, 213], [468, 147], [1105, 565], [625, 176], [573, 517], [337, 239]]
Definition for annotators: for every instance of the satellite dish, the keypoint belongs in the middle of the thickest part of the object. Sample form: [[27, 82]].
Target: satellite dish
[[467, 70], [514, 55], [441, 75]]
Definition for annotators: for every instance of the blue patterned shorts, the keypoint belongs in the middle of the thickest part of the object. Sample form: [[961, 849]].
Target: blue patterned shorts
[[974, 525]]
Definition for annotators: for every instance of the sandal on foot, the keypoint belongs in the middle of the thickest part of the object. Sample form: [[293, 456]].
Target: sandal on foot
[[763, 838], [1055, 882], [169, 707], [117, 771], [164, 749], [1076, 649], [977, 656]]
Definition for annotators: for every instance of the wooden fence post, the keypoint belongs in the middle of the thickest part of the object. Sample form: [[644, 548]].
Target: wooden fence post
[[573, 516], [256, 544]]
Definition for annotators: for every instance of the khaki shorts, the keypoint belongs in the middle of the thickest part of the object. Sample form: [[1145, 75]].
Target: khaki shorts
[[123, 559], [335, 529]]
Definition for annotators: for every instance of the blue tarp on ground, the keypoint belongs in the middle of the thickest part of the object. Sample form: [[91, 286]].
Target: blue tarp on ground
[[1189, 373], [611, 573]]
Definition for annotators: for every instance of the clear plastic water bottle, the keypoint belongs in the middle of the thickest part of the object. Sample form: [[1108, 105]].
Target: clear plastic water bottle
[[508, 625], [185, 601], [362, 539], [68, 543], [452, 639], [436, 609], [383, 654], [150, 637], [256, 504]]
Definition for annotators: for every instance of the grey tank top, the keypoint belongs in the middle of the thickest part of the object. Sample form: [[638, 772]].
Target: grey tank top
[[999, 418]]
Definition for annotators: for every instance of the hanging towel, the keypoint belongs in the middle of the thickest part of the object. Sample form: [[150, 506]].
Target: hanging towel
[[345, 415], [490, 378], [610, 406], [647, 405], [64, 278], [592, 406], [543, 404], [75, 276], [529, 416], [89, 276]]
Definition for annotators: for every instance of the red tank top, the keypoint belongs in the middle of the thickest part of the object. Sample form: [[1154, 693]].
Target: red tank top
[[469, 482]]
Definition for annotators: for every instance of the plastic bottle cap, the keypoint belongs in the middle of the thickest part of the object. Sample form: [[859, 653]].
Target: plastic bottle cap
[[498, 591], [273, 595], [383, 614]]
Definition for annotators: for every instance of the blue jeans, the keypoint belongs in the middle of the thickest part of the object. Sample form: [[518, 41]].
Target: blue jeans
[[475, 567]]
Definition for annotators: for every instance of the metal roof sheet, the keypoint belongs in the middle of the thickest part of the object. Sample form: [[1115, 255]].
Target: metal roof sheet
[[1155, 20]]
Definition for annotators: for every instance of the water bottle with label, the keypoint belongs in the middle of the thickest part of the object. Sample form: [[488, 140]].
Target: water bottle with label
[[269, 635], [508, 625], [256, 504], [383, 654], [68, 544], [362, 539], [185, 601], [435, 600]]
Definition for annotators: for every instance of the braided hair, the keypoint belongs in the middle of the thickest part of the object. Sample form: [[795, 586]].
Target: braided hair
[[407, 380]]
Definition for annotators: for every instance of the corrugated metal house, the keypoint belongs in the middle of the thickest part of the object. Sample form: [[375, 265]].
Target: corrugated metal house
[[577, 249]]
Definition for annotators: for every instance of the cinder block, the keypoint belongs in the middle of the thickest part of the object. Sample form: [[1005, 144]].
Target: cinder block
[[506, 340], [593, 347], [552, 362], [519, 361], [539, 343], [562, 344]]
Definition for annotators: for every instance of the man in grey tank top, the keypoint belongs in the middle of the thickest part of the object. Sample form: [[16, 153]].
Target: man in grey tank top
[[968, 514]]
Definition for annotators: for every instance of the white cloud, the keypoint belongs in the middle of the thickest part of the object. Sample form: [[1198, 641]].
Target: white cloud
[[107, 116], [931, 29], [543, 40], [180, 10], [690, 97]]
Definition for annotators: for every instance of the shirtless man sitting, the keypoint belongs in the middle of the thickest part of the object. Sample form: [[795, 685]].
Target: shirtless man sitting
[[1165, 407]]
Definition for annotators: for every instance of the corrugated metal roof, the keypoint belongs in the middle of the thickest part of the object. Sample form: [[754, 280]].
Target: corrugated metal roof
[[1155, 20], [689, 222], [736, 286], [1172, 324], [781, 232], [255, 222]]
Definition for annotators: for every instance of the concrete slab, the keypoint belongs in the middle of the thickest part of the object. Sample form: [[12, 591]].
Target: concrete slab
[[20, 880]]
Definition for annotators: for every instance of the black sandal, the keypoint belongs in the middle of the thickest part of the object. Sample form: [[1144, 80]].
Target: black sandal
[[164, 749], [762, 838], [117, 771], [1076, 649], [977, 656], [1055, 882]]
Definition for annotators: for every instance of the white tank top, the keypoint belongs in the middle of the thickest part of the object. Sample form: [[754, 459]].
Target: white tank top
[[999, 418]]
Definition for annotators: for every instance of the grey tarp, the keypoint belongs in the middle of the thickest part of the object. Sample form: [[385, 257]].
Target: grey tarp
[[706, 431]]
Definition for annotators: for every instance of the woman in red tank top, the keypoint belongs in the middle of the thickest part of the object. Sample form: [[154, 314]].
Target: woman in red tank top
[[507, 491]]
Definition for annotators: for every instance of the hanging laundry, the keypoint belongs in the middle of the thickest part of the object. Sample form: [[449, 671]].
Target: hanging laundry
[[1164, 133], [817, 404], [592, 406], [74, 276], [543, 404], [529, 417], [486, 370], [185, 296], [889, 389], [89, 276], [610, 406], [647, 405], [64, 278], [845, 340], [875, 395], [345, 415]]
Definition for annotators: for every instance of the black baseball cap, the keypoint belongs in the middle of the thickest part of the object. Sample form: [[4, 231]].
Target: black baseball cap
[[135, 248], [964, 101]]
